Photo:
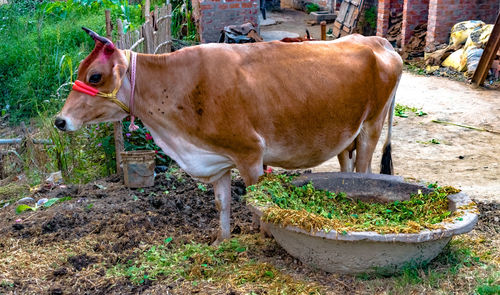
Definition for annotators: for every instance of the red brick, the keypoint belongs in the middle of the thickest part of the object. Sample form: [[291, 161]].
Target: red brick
[[247, 5], [222, 6], [206, 6], [234, 5]]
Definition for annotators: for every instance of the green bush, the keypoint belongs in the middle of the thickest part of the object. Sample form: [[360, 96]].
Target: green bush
[[81, 156], [371, 17], [36, 46], [311, 7], [42, 46]]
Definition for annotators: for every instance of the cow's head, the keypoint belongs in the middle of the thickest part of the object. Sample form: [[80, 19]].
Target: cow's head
[[103, 70]]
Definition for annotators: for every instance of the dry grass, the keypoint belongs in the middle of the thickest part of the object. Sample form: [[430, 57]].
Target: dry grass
[[469, 262]]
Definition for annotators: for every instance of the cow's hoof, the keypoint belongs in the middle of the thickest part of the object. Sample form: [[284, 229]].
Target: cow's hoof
[[220, 239]]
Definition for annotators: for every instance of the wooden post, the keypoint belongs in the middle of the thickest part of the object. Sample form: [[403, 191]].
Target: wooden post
[[488, 55], [169, 26], [109, 26], [147, 33], [323, 30], [155, 18], [119, 29], [117, 126], [147, 8], [2, 159]]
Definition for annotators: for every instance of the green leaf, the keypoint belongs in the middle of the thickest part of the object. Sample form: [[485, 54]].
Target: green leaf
[[168, 240], [21, 208], [50, 202], [269, 274]]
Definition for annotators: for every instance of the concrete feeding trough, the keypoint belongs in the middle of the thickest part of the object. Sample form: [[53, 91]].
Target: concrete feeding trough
[[366, 252], [319, 16]]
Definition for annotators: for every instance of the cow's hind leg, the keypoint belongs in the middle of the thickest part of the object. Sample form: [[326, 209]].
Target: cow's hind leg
[[222, 190], [347, 158], [365, 146]]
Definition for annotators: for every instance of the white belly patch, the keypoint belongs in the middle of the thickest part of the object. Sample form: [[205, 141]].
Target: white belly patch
[[205, 165]]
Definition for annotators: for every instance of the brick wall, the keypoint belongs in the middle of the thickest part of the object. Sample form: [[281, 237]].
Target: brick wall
[[415, 12], [440, 16], [386, 8], [213, 15], [443, 14]]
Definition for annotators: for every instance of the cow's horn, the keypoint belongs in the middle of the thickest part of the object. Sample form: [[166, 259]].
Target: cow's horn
[[96, 37]]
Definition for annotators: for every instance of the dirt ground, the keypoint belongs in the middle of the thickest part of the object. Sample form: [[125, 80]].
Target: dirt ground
[[71, 247]]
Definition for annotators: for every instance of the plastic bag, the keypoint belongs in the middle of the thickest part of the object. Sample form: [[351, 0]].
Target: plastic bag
[[479, 37], [473, 55], [460, 31], [453, 61]]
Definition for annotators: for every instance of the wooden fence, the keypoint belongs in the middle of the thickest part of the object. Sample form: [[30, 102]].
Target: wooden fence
[[154, 37]]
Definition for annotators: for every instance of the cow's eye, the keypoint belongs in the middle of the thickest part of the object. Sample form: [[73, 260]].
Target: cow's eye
[[95, 78]]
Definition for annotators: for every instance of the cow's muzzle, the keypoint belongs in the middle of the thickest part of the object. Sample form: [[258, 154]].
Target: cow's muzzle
[[60, 123]]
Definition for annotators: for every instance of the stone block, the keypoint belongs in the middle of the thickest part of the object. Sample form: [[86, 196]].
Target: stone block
[[319, 16]]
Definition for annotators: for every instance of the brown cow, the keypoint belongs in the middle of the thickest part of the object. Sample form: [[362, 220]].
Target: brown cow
[[217, 106], [347, 157]]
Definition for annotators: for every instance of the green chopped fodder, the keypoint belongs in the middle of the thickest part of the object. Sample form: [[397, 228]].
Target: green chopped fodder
[[313, 209]]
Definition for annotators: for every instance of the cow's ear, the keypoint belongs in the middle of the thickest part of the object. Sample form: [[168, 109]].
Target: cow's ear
[[119, 71], [109, 48]]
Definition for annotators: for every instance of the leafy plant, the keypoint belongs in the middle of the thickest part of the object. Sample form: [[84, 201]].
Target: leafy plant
[[141, 139], [432, 141], [402, 111], [183, 26], [49, 203], [311, 7], [202, 187], [371, 17]]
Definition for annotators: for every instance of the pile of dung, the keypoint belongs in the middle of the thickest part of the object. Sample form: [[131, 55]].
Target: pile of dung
[[313, 210]]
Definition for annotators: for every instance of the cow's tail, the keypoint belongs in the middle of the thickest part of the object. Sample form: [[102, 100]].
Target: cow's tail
[[386, 166]]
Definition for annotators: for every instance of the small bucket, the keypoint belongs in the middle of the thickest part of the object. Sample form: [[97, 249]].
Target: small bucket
[[138, 168]]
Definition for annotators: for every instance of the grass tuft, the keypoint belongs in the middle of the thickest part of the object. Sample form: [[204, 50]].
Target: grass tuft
[[228, 263]]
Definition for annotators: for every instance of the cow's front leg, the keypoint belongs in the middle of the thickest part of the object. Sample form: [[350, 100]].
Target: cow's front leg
[[222, 190]]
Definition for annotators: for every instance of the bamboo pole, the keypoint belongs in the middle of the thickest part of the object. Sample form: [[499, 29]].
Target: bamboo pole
[[20, 140], [466, 126]]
